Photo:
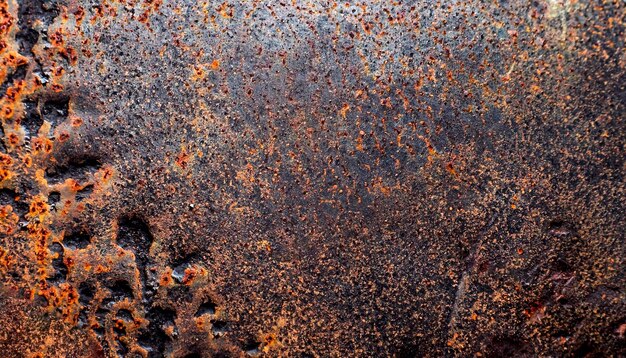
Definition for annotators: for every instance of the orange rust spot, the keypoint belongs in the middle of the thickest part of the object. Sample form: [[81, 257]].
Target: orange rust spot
[[56, 87], [386, 102], [107, 174], [169, 330], [100, 269], [39, 237], [98, 13], [56, 38], [182, 159], [42, 145], [7, 112], [13, 139], [70, 54], [5, 160], [144, 17], [344, 110], [38, 207], [451, 169], [225, 10], [198, 73], [359, 141], [79, 14], [200, 322], [190, 275], [8, 220], [269, 341], [166, 278], [77, 122], [5, 175], [58, 71], [73, 185], [63, 136], [6, 260], [535, 313], [27, 160]]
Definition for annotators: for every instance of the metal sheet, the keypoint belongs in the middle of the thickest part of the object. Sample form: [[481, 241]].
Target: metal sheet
[[312, 178]]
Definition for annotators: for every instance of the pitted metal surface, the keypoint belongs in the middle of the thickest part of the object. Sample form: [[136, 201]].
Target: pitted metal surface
[[312, 178]]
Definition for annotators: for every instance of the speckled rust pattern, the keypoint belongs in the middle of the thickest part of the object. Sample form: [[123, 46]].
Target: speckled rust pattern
[[300, 178]]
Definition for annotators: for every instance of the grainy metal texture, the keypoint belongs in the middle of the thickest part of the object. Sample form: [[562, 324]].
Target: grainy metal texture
[[312, 179]]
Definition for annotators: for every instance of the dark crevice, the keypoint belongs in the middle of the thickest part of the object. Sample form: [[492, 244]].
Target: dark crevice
[[219, 328], [18, 74], [134, 235], [55, 111], [60, 269], [77, 169], [99, 331], [585, 350], [559, 228], [120, 290], [125, 315], [27, 38], [3, 148], [154, 338], [509, 347], [85, 192], [54, 198], [193, 355], [408, 351], [101, 313], [86, 292], [31, 11], [77, 240], [82, 318], [206, 308], [252, 348], [119, 329], [122, 351], [32, 119], [7, 197]]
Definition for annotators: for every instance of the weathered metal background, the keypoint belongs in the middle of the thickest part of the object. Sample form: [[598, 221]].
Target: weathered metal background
[[312, 178]]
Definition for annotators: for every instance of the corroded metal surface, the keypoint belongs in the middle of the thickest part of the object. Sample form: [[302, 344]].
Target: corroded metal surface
[[311, 178]]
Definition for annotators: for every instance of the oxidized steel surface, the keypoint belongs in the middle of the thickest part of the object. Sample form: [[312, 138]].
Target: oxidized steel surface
[[311, 178]]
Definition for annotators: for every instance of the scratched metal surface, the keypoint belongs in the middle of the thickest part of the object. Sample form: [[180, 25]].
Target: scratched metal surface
[[312, 179]]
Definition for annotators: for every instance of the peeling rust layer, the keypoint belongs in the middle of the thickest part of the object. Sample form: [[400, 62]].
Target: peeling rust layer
[[311, 179]]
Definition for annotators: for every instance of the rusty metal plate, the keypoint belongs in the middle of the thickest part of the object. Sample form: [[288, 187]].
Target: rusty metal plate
[[312, 178]]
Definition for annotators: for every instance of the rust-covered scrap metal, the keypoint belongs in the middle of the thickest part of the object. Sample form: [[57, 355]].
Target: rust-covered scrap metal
[[312, 178]]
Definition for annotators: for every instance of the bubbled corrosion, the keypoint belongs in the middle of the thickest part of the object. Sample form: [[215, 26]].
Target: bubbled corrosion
[[312, 178]]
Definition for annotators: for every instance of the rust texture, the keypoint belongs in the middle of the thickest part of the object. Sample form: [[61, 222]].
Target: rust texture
[[194, 178]]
